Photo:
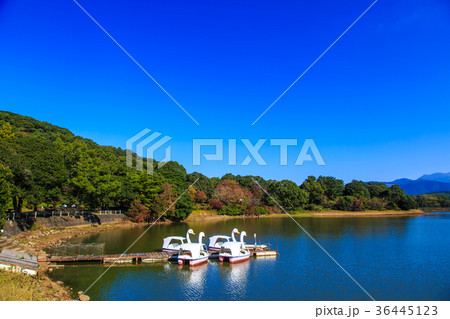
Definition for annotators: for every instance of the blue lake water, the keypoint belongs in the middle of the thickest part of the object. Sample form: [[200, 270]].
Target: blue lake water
[[393, 258]]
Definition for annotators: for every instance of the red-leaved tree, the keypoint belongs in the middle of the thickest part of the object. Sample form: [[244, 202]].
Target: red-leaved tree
[[231, 193], [200, 197], [215, 204], [138, 213]]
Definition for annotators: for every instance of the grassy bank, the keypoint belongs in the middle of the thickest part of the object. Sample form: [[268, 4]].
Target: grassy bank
[[20, 287], [436, 209]]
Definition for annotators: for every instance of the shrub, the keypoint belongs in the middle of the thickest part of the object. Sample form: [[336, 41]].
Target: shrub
[[230, 210], [215, 204], [344, 203], [274, 209], [261, 210], [358, 205], [376, 204], [407, 202], [313, 207]]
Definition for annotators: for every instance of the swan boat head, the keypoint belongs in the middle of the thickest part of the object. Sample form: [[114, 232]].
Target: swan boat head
[[234, 231], [200, 237], [189, 232], [243, 234]]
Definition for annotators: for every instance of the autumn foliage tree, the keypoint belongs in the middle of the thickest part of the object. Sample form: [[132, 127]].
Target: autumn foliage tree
[[215, 204], [6, 131], [230, 193], [163, 201], [138, 212], [200, 197]]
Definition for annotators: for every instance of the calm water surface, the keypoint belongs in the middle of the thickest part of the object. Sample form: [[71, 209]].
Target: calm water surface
[[393, 258]]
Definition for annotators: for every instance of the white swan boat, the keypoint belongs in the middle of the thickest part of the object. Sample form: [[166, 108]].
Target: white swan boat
[[172, 244], [193, 253], [215, 242], [234, 251]]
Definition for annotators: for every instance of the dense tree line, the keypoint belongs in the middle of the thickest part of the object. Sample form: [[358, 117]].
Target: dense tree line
[[44, 165]]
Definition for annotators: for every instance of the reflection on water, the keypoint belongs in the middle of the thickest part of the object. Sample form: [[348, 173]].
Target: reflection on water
[[235, 277], [396, 258], [193, 281]]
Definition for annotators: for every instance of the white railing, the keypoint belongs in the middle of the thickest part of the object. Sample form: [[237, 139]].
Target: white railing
[[74, 213]]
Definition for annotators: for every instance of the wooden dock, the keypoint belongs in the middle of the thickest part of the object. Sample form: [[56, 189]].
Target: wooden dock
[[151, 257], [117, 258], [264, 253]]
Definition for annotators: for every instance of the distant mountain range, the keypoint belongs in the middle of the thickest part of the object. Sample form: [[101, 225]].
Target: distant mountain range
[[432, 183]]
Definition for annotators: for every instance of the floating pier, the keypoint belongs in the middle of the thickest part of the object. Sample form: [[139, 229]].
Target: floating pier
[[264, 252], [117, 258], [151, 257]]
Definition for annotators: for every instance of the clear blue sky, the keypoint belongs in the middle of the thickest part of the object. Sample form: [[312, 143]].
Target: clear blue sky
[[377, 104]]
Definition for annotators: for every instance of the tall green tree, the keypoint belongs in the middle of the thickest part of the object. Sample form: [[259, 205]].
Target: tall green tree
[[314, 189], [396, 196], [288, 194], [378, 190], [357, 189], [332, 187], [5, 191]]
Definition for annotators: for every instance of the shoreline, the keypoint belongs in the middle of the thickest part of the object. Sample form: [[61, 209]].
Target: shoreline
[[201, 215], [35, 241]]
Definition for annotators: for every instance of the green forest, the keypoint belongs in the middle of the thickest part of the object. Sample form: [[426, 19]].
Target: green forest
[[45, 166]]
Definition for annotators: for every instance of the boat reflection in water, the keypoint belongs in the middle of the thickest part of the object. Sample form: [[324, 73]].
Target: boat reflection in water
[[235, 278], [192, 281]]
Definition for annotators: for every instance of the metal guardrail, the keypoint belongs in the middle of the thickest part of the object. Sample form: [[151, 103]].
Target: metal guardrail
[[26, 215]]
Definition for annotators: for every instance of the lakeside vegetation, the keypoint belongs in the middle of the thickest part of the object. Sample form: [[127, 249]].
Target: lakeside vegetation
[[42, 165], [21, 287]]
